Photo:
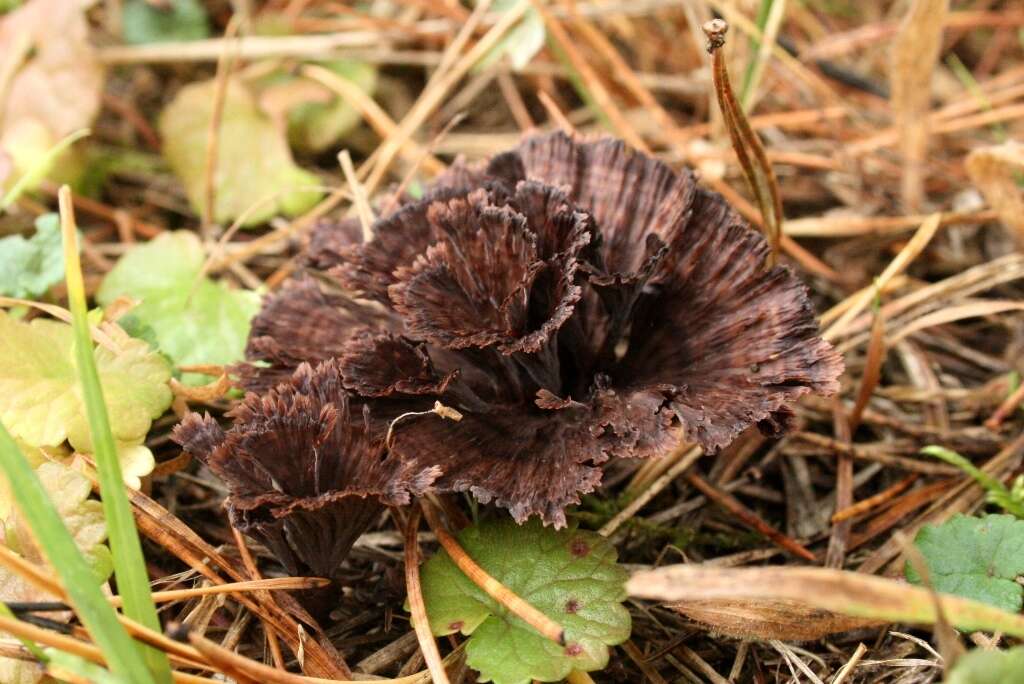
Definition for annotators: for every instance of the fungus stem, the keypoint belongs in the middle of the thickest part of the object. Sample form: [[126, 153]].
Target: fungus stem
[[495, 589], [745, 143]]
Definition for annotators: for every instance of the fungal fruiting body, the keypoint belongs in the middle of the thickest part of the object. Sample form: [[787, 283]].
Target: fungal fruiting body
[[574, 300]]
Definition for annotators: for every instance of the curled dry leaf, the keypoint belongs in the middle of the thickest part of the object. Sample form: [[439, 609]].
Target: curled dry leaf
[[838, 591], [998, 171], [780, 619], [56, 82], [574, 300]]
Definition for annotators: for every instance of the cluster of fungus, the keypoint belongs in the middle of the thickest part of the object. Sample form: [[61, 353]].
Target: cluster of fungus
[[575, 301]]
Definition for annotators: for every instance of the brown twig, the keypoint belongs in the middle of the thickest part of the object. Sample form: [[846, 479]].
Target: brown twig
[[1006, 409], [748, 517]]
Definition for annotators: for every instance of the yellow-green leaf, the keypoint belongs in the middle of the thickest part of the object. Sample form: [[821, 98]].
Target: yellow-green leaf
[[255, 173], [40, 397]]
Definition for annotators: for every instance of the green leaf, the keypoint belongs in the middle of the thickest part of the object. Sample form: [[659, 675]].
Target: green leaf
[[976, 558], [569, 575], [255, 175], [144, 22], [61, 551], [28, 268], [194, 320], [522, 42], [989, 667], [41, 401]]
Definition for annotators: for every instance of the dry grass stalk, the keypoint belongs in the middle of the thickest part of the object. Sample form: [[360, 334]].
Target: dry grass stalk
[[359, 198], [749, 518], [225, 63], [595, 87], [915, 52], [1006, 409], [997, 171], [253, 571], [679, 462], [764, 51], [417, 608], [372, 112], [872, 370], [866, 505], [432, 96], [910, 251]]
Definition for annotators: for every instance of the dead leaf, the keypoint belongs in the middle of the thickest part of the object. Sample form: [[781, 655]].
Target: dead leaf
[[203, 394], [767, 619], [998, 171], [255, 177], [56, 77], [841, 592]]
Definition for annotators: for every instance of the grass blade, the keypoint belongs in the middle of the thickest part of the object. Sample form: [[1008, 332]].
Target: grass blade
[[38, 170], [769, 20], [996, 491], [79, 581], [125, 547]]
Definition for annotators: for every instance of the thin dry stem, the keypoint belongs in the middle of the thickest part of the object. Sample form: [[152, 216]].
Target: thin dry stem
[[224, 65], [417, 608]]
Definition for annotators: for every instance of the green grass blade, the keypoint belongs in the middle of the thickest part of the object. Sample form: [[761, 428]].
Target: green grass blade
[[30, 645], [58, 546], [64, 664], [754, 46], [125, 547], [996, 490]]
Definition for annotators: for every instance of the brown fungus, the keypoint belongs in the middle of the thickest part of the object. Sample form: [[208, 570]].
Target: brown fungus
[[306, 470], [575, 301]]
